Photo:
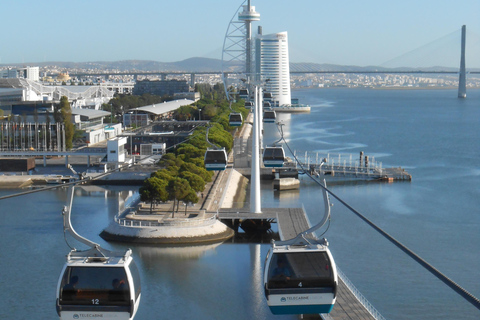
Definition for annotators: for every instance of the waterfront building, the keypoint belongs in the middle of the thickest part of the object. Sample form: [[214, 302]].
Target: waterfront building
[[30, 73], [160, 87], [272, 66], [142, 116], [19, 90]]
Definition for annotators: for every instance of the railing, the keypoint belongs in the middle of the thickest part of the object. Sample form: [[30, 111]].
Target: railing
[[186, 222], [368, 306], [340, 163]]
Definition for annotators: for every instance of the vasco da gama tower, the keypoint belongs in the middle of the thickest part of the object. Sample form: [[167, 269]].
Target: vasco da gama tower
[[265, 58]]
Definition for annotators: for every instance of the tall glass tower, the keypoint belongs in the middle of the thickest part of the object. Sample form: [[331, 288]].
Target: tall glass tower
[[272, 66]]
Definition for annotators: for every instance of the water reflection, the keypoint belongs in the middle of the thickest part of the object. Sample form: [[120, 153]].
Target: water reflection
[[152, 253]]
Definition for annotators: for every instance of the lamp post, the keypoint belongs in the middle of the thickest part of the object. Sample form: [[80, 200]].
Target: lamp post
[[200, 114]]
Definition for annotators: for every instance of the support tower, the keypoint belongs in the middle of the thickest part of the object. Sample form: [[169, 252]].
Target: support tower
[[462, 82], [247, 16]]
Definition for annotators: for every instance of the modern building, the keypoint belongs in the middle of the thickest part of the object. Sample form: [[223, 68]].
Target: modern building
[[142, 116], [30, 73], [160, 87], [272, 66], [19, 90]]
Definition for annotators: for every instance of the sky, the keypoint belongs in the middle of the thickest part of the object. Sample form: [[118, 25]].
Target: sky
[[346, 32]]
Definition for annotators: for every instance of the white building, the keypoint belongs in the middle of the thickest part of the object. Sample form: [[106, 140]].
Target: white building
[[29, 73], [272, 63]]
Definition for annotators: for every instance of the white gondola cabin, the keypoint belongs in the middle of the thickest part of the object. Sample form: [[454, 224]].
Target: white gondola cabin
[[273, 156], [235, 119], [96, 283], [300, 279], [98, 286], [248, 104], [215, 159]]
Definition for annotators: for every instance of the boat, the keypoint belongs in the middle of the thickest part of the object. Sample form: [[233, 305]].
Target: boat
[[58, 179], [292, 108]]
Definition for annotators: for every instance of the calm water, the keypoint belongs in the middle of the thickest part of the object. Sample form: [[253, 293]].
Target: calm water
[[431, 133]]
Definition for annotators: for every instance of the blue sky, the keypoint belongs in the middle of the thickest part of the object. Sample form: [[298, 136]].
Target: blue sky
[[347, 32]]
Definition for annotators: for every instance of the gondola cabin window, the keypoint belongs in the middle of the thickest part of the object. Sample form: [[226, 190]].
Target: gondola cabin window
[[95, 286], [300, 270]]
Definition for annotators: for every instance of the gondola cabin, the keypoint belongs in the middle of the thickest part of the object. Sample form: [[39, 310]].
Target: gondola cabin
[[273, 156], [98, 287], [235, 119], [215, 159], [248, 104], [300, 279], [269, 116], [267, 104], [243, 94]]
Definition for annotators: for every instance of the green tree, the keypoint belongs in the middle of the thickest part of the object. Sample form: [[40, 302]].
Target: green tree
[[66, 117], [177, 189], [184, 113], [162, 174], [154, 189], [169, 159], [187, 152], [200, 171], [194, 180], [191, 197]]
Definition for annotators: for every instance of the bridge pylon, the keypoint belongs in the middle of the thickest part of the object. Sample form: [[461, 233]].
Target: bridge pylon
[[462, 81]]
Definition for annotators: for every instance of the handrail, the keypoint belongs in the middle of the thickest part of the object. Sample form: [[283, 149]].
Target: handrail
[[186, 222], [360, 297]]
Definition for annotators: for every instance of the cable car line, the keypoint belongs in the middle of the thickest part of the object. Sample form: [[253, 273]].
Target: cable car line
[[449, 282], [96, 282]]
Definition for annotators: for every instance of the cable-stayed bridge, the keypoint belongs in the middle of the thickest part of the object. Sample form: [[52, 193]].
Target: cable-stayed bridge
[[427, 54]]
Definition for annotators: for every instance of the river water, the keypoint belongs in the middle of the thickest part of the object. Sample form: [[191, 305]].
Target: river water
[[430, 133]]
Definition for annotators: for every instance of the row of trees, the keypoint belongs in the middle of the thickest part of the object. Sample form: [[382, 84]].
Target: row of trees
[[182, 177], [183, 174]]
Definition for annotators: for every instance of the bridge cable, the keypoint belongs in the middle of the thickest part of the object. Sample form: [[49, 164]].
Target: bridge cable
[[449, 282]]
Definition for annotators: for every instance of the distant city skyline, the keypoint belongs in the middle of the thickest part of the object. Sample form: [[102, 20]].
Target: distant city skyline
[[409, 33]]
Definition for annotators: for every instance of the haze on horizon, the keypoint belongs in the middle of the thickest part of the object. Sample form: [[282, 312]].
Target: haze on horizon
[[409, 33]]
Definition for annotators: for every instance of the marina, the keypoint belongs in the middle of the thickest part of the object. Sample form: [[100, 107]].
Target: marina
[[201, 188]]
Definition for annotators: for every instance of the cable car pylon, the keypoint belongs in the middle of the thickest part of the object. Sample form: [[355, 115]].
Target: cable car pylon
[[255, 197]]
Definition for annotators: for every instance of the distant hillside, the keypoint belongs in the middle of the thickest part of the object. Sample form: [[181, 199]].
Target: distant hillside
[[192, 64], [205, 65]]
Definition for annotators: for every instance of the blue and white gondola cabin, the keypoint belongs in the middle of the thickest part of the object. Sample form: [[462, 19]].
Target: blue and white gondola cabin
[[235, 119], [273, 156], [300, 279], [269, 116], [215, 159]]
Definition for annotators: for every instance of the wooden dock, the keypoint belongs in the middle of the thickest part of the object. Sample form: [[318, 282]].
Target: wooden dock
[[292, 221], [343, 167]]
